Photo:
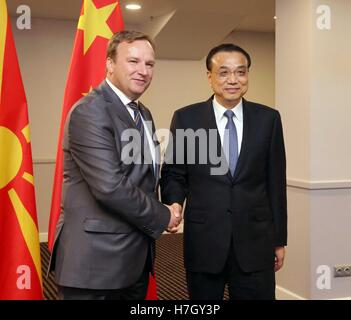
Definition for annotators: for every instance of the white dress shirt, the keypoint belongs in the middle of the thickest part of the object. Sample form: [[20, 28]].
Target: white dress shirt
[[221, 120], [125, 100]]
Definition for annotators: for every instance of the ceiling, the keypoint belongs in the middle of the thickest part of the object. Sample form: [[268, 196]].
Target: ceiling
[[182, 29]]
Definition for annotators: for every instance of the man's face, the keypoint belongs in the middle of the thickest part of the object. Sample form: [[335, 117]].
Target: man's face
[[229, 77], [132, 70]]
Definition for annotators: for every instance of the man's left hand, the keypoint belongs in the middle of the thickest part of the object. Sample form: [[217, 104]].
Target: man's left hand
[[279, 258]]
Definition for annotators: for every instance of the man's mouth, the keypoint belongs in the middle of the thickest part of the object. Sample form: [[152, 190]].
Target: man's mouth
[[140, 81], [232, 90]]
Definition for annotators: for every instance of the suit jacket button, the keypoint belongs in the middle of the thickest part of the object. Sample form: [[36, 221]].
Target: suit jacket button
[[229, 211]]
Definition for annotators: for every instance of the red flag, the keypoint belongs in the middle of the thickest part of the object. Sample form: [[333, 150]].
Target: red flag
[[20, 265], [98, 21]]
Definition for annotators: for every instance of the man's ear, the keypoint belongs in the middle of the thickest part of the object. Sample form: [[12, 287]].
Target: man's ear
[[109, 65], [209, 75]]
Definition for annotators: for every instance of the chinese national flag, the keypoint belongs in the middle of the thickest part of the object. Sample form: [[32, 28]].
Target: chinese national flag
[[20, 266], [98, 21]]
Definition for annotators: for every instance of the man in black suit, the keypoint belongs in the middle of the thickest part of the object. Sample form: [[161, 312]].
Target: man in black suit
[[235, 220], [110, 212]]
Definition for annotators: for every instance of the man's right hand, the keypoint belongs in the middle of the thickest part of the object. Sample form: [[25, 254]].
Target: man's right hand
[[176, 217]]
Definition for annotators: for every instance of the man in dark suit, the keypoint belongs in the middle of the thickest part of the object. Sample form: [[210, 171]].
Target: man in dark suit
[[235, 220], [110, 212]]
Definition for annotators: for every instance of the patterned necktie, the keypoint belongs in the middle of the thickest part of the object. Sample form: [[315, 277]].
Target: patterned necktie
[[140, 126], [137, 117], [231, 141]]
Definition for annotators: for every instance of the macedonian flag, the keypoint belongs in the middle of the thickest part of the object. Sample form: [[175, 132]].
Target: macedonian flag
[[20, 267], [98, 21]]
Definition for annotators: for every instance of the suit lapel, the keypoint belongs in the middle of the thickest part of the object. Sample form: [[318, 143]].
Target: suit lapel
[[116, 106]]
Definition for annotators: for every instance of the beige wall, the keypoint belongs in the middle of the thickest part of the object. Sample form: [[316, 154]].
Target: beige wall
[[293, 83], [293, 101], [295, 276], [331, 83], [313, 81], [44, 54], [330, 148], [43, 175], [330, 234]]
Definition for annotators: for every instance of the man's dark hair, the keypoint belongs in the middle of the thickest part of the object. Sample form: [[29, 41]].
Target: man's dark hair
[[226, 47], [125, 36]]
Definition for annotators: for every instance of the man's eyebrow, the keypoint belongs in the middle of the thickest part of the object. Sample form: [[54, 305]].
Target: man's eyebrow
[[238, 67]]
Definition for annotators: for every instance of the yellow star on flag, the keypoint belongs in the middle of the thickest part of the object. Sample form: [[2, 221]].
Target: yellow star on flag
[[93, 22]]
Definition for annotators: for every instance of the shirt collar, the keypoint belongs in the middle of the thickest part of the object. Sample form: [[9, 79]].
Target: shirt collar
[[219, 110], [125, 100]]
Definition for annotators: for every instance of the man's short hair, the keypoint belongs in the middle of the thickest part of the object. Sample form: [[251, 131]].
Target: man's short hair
[[226, 47], [125, 36]]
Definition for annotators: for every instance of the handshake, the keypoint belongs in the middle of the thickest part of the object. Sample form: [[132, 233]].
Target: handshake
[[176, 217]]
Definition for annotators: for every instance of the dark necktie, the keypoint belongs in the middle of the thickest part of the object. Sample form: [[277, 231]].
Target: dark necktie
[[231, 141]]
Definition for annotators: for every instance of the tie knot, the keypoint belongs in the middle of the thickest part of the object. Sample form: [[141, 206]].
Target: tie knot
[[229, 114], [133, 105]]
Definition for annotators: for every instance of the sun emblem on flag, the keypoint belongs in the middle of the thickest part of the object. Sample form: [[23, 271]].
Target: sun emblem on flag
[[11, 168], [11, 159]]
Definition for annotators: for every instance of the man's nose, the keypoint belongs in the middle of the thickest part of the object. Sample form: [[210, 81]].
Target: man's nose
[[142, 69], [232, 78]]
